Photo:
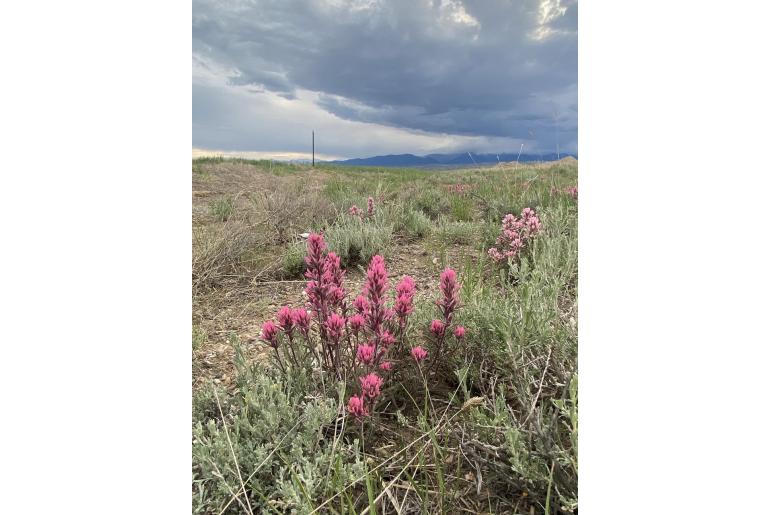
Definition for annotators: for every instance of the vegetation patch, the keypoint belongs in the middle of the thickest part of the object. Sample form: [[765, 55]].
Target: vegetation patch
[[401, 341]]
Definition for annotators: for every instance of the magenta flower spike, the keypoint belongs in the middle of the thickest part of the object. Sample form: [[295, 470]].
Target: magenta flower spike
[[370, 385], [419, 354], [365, 354], [270, 333], [357, 407]]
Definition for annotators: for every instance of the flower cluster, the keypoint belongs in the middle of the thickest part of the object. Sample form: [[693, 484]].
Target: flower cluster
[[448, 303], [326, 301], [360, 213], [460, 189], [515, 235], [289, 320], [404, 300], [365, 339], [419, 354], [270, 333]]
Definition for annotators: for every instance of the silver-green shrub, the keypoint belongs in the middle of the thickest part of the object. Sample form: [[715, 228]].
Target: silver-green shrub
[[282, 436]]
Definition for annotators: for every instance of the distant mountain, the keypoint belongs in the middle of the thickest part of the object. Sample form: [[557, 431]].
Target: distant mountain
[[390, 160], [457, 159]]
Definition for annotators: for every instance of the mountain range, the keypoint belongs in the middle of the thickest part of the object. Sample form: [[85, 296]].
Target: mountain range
[[465, 158]]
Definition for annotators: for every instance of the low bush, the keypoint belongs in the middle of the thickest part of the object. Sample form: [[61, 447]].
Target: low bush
[[219, 250], [288, 211], [461, 233], [221, 209], [412, 224], [293, 260], [461, 208], [357, 240], [432, 202], [199, 336], [266, 447]]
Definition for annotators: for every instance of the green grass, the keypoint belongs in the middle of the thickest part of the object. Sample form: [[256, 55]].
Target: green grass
[[414, 224], [199, 337], [356, 241], [461, 233], [202, 164], [221, 209]]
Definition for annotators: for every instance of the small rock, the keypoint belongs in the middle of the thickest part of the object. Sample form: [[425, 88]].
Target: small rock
[[305, 235]]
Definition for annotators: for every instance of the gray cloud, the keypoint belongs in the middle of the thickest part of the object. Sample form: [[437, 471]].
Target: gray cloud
[[468, 72]]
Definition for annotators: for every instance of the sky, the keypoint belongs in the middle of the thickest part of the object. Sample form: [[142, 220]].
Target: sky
[[375, 77]]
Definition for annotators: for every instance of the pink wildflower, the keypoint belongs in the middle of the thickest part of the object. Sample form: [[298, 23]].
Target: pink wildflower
[[335, 324], [315, 256], [515, 234], [270, 333], [334, 269], [370, 207], [450, 291], [405, 295], [370, 385], [531, 221], [365, 354], [387, 366], [286, 319], [361, 304], [405, 286], [495, 254], [356, 322], [387, 339], [376, 278], [355, 211], [376, 286], [437, 327], [419, 354], [336, 295], [301, 319], [356, 407], [459, 332], [321, 279]]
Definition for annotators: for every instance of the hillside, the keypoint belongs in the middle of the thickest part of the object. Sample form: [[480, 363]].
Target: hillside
[[456, 159]]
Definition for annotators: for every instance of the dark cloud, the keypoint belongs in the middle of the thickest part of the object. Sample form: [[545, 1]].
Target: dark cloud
[[490, 68]]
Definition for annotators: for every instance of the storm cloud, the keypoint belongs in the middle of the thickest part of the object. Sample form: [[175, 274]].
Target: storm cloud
[[385, 76]]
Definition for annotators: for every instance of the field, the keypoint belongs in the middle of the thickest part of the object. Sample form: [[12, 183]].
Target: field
[[487, 423]]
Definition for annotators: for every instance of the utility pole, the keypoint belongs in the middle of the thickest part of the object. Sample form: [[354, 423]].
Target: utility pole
[[313, 149]]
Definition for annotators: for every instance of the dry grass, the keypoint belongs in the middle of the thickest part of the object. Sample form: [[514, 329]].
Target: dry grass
[[266, 210]]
